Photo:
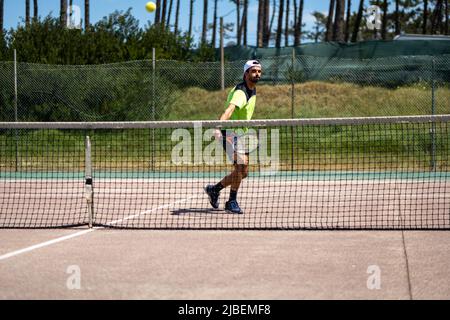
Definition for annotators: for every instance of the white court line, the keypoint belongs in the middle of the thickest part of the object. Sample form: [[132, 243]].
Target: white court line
[[80, 233], [148, 211], [44, 244]]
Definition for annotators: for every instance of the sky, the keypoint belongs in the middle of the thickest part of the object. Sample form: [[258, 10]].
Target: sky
[[15, 11]]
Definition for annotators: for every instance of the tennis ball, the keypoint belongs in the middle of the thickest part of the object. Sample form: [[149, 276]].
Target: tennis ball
[[150, 6]]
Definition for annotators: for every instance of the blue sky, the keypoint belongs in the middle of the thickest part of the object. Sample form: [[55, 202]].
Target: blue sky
[[15, 11]]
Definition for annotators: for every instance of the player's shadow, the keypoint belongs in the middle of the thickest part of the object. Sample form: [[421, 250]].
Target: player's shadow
[[185, 211]]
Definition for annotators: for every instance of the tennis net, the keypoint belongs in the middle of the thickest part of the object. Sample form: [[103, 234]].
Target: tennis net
[[347, 173]]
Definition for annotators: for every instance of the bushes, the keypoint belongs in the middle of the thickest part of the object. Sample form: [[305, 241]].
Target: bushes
[[111, 92], [115, 38]]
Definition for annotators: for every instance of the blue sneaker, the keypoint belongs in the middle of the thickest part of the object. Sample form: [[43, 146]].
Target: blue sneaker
[[213, 196], [232, 206]]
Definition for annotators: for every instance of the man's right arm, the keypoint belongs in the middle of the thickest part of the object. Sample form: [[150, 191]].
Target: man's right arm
[[225, 116], [228, 112]]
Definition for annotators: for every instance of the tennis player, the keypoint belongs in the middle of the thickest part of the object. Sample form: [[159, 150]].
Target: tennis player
[[240, 105]]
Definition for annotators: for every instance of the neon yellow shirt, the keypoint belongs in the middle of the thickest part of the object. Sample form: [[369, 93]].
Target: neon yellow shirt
[[244, 99]]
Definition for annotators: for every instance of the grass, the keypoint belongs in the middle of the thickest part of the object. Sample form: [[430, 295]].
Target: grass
[[316, 148], [315, 100], [394, 147]]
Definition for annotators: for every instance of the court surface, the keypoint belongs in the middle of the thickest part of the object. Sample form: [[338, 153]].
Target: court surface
[[202, 264], [228, 264], [364, 202]]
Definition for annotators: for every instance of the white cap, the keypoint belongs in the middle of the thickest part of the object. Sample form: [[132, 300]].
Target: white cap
[[250, 64]]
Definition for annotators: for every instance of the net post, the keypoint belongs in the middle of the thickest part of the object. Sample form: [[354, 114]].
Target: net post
[[88, 183], [16, 134]]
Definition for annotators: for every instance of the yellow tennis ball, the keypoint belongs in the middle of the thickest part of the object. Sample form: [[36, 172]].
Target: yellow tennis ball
[[150, 6]]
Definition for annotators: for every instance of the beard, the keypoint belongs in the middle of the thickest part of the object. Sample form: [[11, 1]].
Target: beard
[[255, 80]]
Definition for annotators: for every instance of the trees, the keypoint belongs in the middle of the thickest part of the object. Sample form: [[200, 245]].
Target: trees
[[425, 16], [87, 22], [205, 22], [238, 28], [410, 16], [63, 13], [384, 21], [298, 25], [338, 28], [70, 10], [27, 12], [244, 23], [446, 17], [214, 26], [260, 28], [280, 24], [114, 38], [347, 20], [286, 27], [436, 19], [329, 33], [191, 15], [158, 12], [2, 7], [267, 26], [35, 9], [163, 13], [263, 33], [169, 14], [177, 15], [397, 17], [358, 21], [320, 24]]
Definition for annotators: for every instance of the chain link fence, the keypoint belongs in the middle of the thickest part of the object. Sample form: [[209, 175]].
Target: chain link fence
[[291, 87]]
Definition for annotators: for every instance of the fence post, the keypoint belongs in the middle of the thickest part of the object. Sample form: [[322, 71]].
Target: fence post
[[153, 106], [292, 107], [433, 112], [222, 57], [153, 82], [292, 83], [15, 111]]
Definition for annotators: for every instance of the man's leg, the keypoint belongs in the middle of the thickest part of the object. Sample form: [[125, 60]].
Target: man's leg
[[234, 180]]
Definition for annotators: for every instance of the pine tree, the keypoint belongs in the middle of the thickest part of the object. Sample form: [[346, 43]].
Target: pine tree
[[338, 29], [384, 22], [63, 13], [280, 24], [298, 25], [191, 15], [358, 21], [35, 9], [425, 16], [177, 15], [158, 12], [205, 21], [27, 12], [86, 15], [2, 7], [347, 20], [329, 34], [213, 41]]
